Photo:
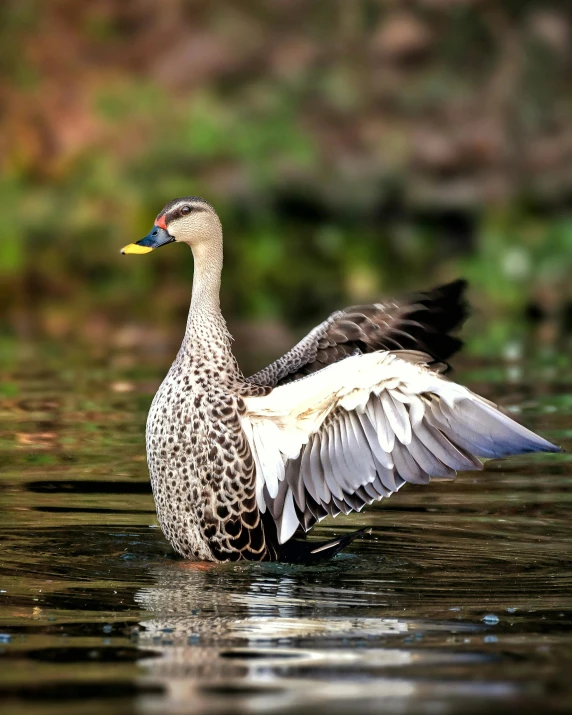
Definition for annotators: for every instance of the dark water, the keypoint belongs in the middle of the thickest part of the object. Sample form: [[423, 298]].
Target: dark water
[[459, 602]]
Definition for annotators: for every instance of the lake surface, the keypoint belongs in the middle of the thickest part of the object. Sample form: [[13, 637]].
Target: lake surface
[[460, 601]]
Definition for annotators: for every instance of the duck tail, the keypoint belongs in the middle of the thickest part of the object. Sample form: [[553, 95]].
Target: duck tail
[[313, 552]]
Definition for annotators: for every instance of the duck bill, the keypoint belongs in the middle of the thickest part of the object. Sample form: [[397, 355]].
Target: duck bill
[[154, 239]]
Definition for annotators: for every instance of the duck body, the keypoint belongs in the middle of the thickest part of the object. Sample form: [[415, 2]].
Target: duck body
[[241, 466], [201, 467]]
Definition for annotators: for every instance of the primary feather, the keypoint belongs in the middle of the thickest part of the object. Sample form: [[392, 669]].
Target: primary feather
[[420, 322]]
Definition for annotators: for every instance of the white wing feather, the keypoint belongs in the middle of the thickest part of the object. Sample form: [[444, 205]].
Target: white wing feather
[[372, 421]]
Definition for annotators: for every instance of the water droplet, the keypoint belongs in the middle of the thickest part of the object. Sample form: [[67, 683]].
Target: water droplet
[[490, 619]]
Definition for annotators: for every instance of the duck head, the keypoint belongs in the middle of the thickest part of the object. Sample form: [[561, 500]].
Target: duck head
[[189, 220]]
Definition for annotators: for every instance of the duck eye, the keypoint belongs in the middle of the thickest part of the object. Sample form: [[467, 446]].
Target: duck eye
[[185, 210]]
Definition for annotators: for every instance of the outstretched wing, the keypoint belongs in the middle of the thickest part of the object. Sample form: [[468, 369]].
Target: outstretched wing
[[357, 431], [421, 321]]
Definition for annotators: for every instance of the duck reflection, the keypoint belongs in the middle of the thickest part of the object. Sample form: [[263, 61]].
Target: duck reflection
[[271, 637], [264, 636]]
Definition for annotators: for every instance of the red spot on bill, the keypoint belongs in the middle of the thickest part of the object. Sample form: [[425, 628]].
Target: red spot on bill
[[161, 222]]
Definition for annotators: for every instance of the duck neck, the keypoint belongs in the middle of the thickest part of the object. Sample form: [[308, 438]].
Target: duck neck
[[206, 335], [205, 301]]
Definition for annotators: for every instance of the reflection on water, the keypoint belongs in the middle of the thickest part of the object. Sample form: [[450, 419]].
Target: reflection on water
[[280, 635], [460, 600]]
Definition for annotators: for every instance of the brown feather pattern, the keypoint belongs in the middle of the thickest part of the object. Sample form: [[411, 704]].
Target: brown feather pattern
[[420, 322]]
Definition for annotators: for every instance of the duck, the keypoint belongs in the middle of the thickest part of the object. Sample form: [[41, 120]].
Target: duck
[[242, 468]]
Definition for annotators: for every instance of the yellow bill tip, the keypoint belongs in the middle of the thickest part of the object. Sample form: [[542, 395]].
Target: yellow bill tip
[[136, 248]]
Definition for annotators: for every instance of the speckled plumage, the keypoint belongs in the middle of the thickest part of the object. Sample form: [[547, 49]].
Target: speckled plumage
[[350, 414]]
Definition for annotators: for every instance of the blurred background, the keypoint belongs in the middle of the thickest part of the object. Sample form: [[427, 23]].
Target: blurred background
[[352, 149]]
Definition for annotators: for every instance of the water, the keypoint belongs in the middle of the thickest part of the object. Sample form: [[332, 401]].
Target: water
[[460, 601]]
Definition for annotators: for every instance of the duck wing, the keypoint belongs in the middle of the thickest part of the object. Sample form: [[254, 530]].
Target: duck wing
[[421, 321], [357, 431]]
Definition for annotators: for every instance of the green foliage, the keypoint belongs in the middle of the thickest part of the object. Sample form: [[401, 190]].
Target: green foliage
[[516, 254], [306, 142]]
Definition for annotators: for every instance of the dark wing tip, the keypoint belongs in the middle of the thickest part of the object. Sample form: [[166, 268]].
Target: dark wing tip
[[547, 446], [429, 318]]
